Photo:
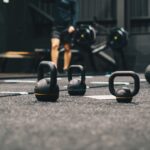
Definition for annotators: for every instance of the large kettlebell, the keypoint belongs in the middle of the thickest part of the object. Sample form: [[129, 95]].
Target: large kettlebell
[[125, 94], [46, 89], [147, 73], [76, 86]]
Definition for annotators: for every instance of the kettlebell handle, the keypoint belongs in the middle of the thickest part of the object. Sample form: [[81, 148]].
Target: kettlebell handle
[[78, 67], [124, 73], [53, 71]]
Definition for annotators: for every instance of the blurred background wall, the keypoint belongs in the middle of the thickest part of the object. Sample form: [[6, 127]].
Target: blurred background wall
[[25, 25]]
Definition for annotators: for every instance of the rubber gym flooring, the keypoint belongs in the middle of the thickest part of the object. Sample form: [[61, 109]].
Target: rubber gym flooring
[[91, 122]]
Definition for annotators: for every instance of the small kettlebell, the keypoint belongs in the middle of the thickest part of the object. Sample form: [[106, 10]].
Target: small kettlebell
[[76, 86], [47, 89], [125, 94]]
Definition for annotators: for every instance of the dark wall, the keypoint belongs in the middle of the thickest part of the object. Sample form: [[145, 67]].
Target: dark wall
[[23, 29], [18, 23], [2, 27], [102, 9], [138, 49], [26, 29], [138, 52]]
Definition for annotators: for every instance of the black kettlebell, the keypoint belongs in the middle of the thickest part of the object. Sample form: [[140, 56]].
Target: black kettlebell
[[46, 89], [76, 86], [147, 73], [125, 94]]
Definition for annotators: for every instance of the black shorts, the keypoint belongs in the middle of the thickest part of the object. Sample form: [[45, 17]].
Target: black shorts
[[62, 34]]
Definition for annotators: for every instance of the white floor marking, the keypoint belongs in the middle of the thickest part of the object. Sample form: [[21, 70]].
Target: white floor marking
[[59, 78], [107, 75], [102, 97], [21, 81], [89, 77], [9, 92], [142, 80], [106, 83]]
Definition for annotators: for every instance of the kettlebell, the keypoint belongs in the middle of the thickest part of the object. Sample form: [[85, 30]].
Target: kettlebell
[[76, 86], [147, 73], [125, 94], [47, 89]]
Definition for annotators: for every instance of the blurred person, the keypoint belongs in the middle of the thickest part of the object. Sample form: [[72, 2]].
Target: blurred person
[[65, 18]]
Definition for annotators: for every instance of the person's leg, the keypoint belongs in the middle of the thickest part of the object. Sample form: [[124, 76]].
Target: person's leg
[[67, 56], [55, 42]]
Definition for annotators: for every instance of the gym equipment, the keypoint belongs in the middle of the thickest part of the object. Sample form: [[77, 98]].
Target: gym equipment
[[85, 35], [147, 73], [76, 86], [117, 38], [46, 89], [125, 94], [84, 39]]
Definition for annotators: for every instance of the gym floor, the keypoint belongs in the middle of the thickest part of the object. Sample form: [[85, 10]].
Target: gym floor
[[94, 121]]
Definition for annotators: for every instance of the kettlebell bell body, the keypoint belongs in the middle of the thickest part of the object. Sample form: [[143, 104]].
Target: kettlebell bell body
[[47, 89], [76, 86], [125, 94]]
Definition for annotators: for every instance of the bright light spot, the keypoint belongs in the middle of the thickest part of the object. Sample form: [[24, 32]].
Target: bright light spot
[[115, 37], [5, 1], [82, 35]]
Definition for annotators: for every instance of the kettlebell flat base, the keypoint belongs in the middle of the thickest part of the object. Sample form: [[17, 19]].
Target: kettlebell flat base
[[124, 99], [76, 92], [47, 97]]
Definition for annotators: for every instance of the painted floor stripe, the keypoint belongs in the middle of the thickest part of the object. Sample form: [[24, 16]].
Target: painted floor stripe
[[8, 92], [21, 81], [101, 97], [106, 83], [89, 77], [142, 80], [108, 75]]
